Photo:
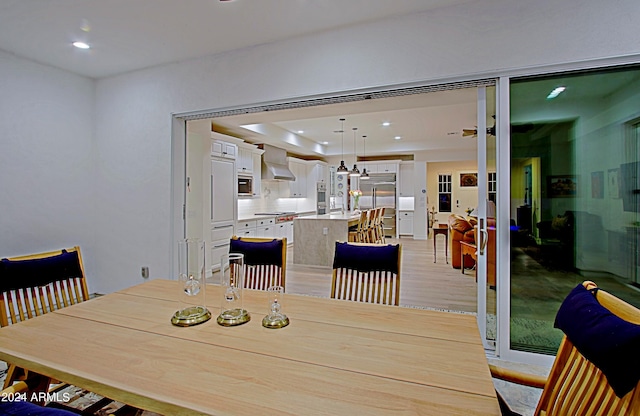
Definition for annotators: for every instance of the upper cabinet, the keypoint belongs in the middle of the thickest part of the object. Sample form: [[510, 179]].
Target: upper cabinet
[[244, 162], [382, 167], [224, 149], [405, 179], [298, 188], [319, 173]]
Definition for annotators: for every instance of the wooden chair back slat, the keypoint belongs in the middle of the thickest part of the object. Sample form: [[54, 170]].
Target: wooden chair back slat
[[378, 286], [263, 276], [576, 387], [27, 302]]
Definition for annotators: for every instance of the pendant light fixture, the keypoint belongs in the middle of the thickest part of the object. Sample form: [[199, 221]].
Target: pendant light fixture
[[365, 174], [355, 172], [342, 169]]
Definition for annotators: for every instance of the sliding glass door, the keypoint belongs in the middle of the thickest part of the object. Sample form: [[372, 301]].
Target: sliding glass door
[[574, 195]]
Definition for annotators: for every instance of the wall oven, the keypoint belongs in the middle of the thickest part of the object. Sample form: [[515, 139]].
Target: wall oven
[[245, 185], [321, 198]]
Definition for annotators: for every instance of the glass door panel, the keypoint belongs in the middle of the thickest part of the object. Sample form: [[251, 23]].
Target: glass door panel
[[574, 195]]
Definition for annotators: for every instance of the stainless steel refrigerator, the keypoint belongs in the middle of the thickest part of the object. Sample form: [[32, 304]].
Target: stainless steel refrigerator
[[380, 191]]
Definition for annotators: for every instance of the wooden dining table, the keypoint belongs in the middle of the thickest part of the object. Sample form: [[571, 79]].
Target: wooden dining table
[[334, 358]]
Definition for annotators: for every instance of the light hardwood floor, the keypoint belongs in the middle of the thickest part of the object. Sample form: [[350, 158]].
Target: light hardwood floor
[[423, 282]]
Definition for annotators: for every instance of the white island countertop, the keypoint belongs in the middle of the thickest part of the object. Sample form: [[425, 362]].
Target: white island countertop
[[332, 216]]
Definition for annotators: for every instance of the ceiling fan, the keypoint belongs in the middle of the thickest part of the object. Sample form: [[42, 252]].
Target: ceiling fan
[[491, 131]]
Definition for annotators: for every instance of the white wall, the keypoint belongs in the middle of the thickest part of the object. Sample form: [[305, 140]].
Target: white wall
[[46, 158], [131, 205]]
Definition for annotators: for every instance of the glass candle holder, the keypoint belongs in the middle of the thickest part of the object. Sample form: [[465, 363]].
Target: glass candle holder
[[191, 284], [232, 312], [275, 318]]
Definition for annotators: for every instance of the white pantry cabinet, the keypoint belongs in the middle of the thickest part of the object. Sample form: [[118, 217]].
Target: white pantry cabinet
[[405, 179]]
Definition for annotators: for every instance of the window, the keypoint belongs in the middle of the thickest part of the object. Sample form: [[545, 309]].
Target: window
[[444, 192], [492, 187]]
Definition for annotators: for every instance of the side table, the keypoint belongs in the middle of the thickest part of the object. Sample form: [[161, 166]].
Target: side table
[[444, 230]]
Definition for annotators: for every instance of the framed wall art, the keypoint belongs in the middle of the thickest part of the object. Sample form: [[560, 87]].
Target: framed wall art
[[468, 180], [562, 186]]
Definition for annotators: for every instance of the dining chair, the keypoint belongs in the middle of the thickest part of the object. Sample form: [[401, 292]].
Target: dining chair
[[36, 284], [596, 371], [367, 272], [265, 261]]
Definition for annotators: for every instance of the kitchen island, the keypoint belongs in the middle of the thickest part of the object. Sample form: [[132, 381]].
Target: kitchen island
[[315, 237]]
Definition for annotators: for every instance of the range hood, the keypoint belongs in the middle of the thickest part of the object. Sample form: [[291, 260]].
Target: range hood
[[274, 164]]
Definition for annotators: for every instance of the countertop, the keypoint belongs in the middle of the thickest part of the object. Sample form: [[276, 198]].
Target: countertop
[[251, 217], [332, 216]]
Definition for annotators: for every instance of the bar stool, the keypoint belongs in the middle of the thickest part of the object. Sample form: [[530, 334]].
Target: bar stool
[[376, 227], [372, 230], [359, 234]]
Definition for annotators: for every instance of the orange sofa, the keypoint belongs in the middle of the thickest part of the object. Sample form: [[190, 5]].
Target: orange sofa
[[460, 229], [464, 229]]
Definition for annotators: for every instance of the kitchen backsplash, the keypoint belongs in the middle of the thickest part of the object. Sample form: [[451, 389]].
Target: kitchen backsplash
[[270, 201]]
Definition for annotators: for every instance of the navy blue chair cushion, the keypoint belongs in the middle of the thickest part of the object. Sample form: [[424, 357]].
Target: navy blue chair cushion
[[24, 408], [18, 274], [257, 253], [366, 258], [609, 342]]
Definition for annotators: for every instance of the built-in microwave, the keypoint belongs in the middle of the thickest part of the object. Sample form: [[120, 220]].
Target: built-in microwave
[[245, 185]]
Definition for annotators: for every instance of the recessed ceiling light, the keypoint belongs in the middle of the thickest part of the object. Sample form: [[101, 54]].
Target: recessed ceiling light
[[398, 137], [81, 45], [386, 124], [556, 91], [300, 131], [325, 142]]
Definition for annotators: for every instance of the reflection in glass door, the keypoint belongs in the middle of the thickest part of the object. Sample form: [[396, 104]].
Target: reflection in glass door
[[580, 218]]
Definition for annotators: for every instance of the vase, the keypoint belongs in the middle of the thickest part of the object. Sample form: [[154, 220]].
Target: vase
[[356, 204]]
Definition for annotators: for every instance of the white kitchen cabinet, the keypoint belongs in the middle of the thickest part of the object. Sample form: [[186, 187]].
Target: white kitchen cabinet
[[246, 228], [223, 214], [223, 190], [224, 149], [384, 167], [405, 223], [256, 160], [281, 230], [319, 173], [221, 234], [266, 231], [387, 167], [297, 188], [289, 232], [405, 180], [285, 230], [266, 228], [244, 162]]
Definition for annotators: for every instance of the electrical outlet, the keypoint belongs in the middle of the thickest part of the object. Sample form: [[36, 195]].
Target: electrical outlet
[[145, 272]]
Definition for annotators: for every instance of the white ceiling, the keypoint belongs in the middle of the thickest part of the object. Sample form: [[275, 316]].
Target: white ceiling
[[128, 35]]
